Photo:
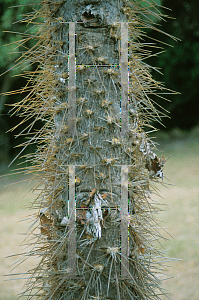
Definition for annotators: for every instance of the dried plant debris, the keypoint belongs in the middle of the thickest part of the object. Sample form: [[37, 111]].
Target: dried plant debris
[[95, 162]]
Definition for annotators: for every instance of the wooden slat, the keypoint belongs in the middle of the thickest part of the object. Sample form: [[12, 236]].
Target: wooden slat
[[72, 87], [124, 169], [124, 78], [71, 225], [124, 223]]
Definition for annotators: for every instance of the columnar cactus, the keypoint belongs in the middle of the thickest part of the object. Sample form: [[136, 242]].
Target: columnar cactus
[[94, 160]]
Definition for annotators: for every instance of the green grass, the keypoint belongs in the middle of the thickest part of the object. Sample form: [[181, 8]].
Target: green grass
[[182, 216], [181, 202], [13, 200]]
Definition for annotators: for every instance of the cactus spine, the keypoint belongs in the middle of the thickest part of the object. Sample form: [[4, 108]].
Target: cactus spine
[[94, 161]]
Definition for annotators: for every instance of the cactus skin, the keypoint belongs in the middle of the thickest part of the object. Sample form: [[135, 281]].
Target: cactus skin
[[90, 157]]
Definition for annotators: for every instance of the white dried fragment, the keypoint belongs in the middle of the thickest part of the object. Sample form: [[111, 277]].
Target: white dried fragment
[[64, 221], [63, 80], [145, 148], [98, 230], [159, 174], [88, 216], [94, 217], [97, 214], [98, 203]]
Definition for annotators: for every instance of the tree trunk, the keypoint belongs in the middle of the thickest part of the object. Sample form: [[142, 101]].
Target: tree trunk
[[95, 161]]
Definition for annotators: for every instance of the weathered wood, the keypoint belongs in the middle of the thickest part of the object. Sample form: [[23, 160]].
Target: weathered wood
[[72, 87], [124, 78], [71, 225], [124, 223]]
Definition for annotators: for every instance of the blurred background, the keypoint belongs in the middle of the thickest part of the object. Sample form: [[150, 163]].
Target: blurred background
[[179, 65], [179, 139]]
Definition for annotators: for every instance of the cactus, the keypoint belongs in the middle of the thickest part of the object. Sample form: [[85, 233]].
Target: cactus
[[95, 162]]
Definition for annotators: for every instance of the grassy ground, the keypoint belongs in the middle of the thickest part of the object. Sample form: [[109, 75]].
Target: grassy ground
[[181, 218], [13, 199]]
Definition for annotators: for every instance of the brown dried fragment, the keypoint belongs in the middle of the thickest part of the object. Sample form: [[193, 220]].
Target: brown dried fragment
[[46, 224], [156, 164]]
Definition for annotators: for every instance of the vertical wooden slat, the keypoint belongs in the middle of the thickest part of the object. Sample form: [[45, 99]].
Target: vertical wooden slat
[[124, 169], [71, 225], [124, 223], [124, 78], [72, 87]]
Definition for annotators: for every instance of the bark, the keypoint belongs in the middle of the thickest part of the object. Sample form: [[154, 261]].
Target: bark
[[94, 146]]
